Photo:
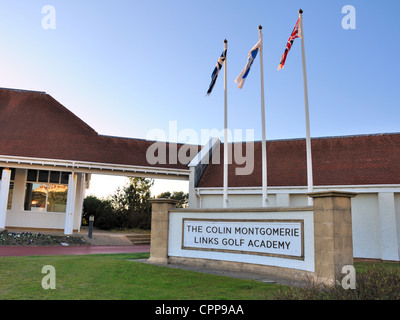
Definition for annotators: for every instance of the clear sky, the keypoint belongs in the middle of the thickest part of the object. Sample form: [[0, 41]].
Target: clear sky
[[128, 67]]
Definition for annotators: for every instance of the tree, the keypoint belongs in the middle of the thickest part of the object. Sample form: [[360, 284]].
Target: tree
[[177, 195], [132, 203], [128, 208]]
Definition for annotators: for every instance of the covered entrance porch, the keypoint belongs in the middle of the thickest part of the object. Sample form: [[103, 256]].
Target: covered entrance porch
[[48, 194]]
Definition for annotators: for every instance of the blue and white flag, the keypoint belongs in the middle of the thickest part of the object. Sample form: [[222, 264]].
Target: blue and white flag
[[215, 73], [252, 55]]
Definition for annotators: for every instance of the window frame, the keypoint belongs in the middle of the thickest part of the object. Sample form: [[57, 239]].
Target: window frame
[[48, 184]]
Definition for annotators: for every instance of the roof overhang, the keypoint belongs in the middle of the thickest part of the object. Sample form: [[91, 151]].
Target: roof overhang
[[94, 168]]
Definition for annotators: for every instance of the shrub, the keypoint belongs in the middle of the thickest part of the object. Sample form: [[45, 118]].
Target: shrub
[[376, 282], [104, 215], [91, 206]]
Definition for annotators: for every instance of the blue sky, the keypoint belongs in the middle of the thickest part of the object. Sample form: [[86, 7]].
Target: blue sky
[[127, 67]]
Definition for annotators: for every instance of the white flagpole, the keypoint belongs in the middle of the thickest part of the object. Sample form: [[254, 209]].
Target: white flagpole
[[225, 197], [307, 116], [264, 143]]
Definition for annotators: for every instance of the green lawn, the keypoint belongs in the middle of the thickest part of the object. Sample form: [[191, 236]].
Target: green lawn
[[114, 277], [109, 277]]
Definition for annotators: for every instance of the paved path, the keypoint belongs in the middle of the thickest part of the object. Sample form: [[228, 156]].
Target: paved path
[[73, 250]]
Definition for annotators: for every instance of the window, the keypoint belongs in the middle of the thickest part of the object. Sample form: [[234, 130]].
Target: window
[[11, 190], [35, 197], [57, 198], [54, 177], [46, 191]]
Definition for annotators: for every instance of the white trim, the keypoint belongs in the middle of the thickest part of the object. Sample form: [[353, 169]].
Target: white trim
[[4, 190], [301, 189], [95, 167], [203, 157], [70, 210]]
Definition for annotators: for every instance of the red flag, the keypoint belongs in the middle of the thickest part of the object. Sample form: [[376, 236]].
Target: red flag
[[295, 34]]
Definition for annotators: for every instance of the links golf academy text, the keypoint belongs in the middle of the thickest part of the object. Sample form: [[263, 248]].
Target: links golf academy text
[[275, 237], [205, 309]]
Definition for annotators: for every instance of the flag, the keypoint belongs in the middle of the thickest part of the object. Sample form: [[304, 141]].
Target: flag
[[296, 33], [215, 73], [252, 55]]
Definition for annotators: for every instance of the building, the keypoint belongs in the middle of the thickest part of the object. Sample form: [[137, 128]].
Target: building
[[47, 156], [367, 165]]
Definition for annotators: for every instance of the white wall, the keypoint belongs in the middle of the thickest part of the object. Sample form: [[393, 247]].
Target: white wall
[[397, 213], [366, 236]]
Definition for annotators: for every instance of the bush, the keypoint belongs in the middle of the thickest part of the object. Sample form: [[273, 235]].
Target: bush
[[103, 212], [91, 207], [107, 218], [376, 282]]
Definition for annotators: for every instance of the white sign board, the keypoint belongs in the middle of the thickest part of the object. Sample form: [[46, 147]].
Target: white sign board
[[280, 238]]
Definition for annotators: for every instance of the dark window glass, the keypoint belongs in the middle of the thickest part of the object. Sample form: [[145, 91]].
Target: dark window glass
[[64, 177], [32, 175], [55, 177], [43, 176], [28, 196]]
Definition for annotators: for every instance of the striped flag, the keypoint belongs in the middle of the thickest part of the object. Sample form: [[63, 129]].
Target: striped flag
[[296, 33], [215, 73], [252, 55]]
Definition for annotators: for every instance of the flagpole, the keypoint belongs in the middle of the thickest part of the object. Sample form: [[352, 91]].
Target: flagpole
[[225, 196], [264, 143], [307, 115]]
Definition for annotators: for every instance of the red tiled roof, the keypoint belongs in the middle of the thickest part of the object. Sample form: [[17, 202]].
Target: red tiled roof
[[352, 160], [33, 124]]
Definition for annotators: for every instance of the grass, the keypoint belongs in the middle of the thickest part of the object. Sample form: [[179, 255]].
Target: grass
[[112, 277], [115, 277]]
